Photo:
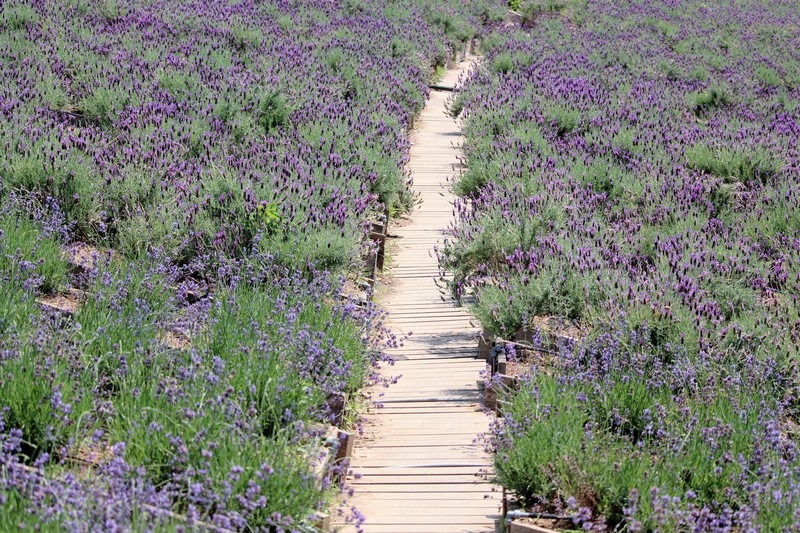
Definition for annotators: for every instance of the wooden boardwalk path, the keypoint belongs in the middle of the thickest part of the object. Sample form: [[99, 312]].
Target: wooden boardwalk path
[[419, 465]]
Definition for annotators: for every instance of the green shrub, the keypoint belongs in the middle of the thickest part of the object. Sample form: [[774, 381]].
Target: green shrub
[[334, 59], [134, 193], [353, 85], [55, 97], [566, 120], [285, 22], [354, 7], [668, 69], [158, 226], [662, 330], [110, 10], [462, 32], [400, 47], [273, 111], [41, 396], [502, 63], [607, 177], [18, 17], [478, 175], [699, 73], [791, 68], [196, 142], [744, 165], [241, 349], [243, 127], [330, 248], [100, 106], [17, 307], [533, 9], [596, 443], [558, 457], [455, 28], [73, 185], [265, 219], [550, 292], [709, 99], [243, 37], [734, 299], [121, 324], [438, 74], [407, 200], [768, 77], [175, 83], [491, 12], [21, 240], [685, 47], [530, 135], [30, 261], [714, 60], [493, 41], [667, 30], [27, 174], [455, 105], [227, 111]]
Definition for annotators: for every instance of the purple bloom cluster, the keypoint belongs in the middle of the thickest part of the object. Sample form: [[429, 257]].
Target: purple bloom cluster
[[633, 169], [169, 124], [186, 191]]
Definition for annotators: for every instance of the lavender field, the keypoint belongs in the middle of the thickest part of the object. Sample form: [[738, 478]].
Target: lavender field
[[213, 169], [632, 211]]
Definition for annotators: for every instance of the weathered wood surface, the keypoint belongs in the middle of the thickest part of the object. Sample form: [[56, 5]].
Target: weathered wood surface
[[420, 467]]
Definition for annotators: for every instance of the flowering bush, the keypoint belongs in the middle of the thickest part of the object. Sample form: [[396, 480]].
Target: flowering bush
[[633, 171], [222, 163]]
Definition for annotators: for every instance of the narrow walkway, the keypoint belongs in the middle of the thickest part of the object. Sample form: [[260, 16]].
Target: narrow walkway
[[419, 465]]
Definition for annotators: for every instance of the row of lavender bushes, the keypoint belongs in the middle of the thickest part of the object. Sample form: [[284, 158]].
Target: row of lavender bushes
[[223, 160], [634, 172]]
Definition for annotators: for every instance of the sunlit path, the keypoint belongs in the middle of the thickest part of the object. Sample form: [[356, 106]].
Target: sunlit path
[[419, 465]]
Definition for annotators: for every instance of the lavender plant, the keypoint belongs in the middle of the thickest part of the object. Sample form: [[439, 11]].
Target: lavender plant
[[633, 171], [222, 164]]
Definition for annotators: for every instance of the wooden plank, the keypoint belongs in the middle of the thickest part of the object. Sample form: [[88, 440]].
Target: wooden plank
[[419, 386], [400, 402], [443, 517], [444, 376], [425, 403], [462, 499], [413, 528], [402, 449], [411, 366], [409, 431], [419, 481], [396, 455], [427, 376], [417, 440], [431, 392], [388, 459], [432, 515], [433, 491], [443, 358], [468, 421], [408, 411], [422, 367], [430, 471], [384, 528]]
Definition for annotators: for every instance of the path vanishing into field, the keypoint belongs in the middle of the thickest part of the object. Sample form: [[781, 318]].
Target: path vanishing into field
[[419, 465]]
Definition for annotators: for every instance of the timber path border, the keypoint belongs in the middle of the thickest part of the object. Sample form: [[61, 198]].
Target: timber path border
[[418, 467]]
